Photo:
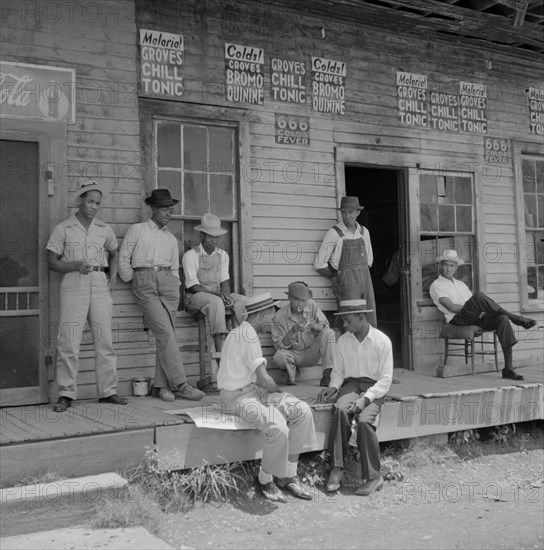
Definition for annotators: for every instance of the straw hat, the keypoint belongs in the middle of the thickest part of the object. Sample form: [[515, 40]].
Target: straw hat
[[352, 306], [450, 256], [211, 225]]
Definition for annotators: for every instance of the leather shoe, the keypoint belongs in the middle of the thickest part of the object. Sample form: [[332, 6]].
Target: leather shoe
[[271, 492], [326, 378], [510, 373], [114, 400], [62, 404], [294, 485], [370, 486], [334, 479]]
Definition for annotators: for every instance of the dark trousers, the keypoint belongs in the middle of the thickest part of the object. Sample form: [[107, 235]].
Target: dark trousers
[[367, 440], [484, 312]]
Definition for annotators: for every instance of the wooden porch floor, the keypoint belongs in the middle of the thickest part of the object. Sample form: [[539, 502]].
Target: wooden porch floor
[[92, 437]]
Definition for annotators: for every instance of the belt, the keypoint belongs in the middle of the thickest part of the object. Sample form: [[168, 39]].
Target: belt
[[239, 391], [97, 268], [153, 268]]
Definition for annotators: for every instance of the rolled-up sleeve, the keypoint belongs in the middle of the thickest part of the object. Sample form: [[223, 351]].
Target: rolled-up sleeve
[[124, 269], [326, 249]]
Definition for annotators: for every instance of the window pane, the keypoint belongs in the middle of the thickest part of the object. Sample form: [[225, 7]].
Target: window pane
[[170, 179], [464, 218], [429, 269], [221, 150], [528, 169], [446, 218], [428, 217], [530, 210], [448, 192], [169, 146], [222, 195], [464, 273], [540, 289], [195, 195], [532, 282], [463, 190], [541, 210], [540, 176], [427, 188], [195, 148]]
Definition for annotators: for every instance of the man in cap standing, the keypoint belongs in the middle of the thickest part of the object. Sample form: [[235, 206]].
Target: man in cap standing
[[461, 307], [150, 258], [248, 391], [207, 279], [301, 334], [345, 255], [82, 248], [362, 375]]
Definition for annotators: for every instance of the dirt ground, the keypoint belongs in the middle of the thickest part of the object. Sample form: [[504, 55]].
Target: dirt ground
[[495, 500]]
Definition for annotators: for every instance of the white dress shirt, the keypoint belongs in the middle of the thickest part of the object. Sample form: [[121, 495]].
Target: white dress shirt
[[145, 245], [371, 358], [457, 291]]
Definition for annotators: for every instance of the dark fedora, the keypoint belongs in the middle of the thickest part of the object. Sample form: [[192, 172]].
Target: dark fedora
[[350, 203], [160, 198]]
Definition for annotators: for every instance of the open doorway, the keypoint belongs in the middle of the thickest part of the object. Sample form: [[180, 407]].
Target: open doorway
[[378, 192]]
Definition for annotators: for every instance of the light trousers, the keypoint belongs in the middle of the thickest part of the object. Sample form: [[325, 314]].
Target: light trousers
[[213, 308], [85, 298]]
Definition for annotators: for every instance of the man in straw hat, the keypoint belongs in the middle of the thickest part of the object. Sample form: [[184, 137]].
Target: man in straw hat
[[250, 392], [345, 255], [362, 375], [461, 307], [150, 258], [207, 279], [301, 333], [82, 248]]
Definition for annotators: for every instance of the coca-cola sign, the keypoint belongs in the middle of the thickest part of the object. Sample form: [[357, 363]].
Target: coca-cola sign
[[37, 92]]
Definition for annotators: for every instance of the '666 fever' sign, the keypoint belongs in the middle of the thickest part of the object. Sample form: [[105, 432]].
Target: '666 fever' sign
[[292, 129]]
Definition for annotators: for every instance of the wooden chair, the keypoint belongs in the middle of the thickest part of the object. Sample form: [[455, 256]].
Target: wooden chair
[[468, 341]]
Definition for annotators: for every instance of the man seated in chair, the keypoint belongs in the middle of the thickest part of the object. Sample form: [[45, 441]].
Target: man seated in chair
[[461, 307], [207, 279], [247, 390], [302, 336]]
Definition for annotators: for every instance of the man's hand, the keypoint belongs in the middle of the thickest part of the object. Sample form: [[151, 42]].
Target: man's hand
[[226, 299], [315, 326], [327, 395], [359, 405], [82, 267]]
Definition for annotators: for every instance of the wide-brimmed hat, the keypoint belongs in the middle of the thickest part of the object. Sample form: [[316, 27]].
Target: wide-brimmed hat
[[259, 302], [300, 290], [89, 186], [450, 256], [161, 198], [211, 225], [350, 203], [352, 306]]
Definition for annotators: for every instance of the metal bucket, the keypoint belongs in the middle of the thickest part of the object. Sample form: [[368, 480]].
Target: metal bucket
[[140, 386]]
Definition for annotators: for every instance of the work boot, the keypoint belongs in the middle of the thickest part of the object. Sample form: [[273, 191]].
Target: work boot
[[370, 486], [186, 391], [62, 404], [166, 395]]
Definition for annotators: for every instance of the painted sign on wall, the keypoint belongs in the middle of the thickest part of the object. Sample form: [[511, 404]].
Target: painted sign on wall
[[244, 67], [37, 92], [412, 99], [443, 111], [288, 80], [328, 86], [497, 150], [473, 112], [292, 129], [536, 111], [161, 60]]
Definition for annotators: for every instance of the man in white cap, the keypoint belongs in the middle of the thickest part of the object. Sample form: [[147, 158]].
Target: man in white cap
[[207, 279], [82, 248], [362, 375], [461, 307], [149, 258], [301, 334], [345, 255], [249, 391]]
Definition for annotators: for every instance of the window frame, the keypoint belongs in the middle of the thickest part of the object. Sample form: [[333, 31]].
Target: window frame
[[523, 150], [152, 111]]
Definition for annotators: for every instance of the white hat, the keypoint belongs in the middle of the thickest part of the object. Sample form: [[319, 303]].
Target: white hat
[[352, 306], [211, 225], [89, 186], [259, 302], [450, 256]]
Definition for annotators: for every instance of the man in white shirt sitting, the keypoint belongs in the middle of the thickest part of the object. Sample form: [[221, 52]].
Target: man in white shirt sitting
[[207, 279], [461, 307], [361, 376], [247, 390]]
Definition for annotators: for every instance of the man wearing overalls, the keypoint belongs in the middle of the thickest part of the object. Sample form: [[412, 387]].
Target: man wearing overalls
[[207, 279], [345, 255]]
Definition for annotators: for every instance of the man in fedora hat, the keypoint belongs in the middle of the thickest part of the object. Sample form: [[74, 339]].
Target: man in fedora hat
[[362, 375], [246, 389], [301, 333], [207, 279], [149, 258], [461, 307], [82, 248], [345, 255]]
